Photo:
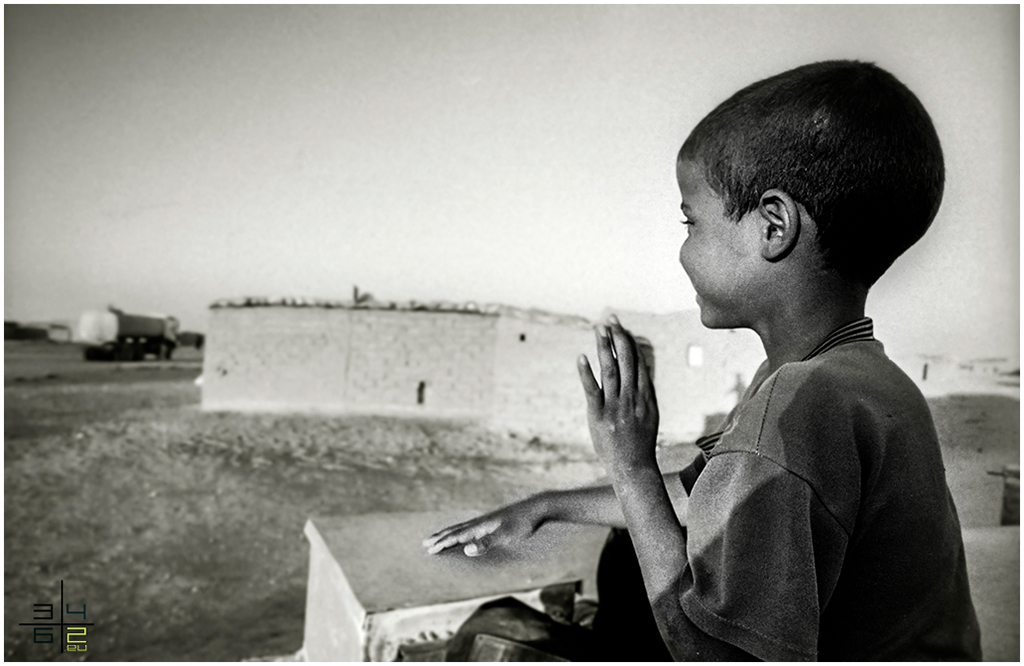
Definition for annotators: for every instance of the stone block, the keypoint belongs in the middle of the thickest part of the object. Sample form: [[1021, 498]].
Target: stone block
[[373, 588], [993, 568]]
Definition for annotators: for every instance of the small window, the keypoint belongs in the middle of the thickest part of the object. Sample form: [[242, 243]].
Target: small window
[[421, 393], [522, 337], [695, 356]]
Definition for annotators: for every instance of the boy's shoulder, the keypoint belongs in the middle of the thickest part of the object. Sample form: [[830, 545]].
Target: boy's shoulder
[[822, 419], [850, 376], [851, 381]]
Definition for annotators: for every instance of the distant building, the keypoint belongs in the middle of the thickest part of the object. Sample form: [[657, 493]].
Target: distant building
[[15, 331], [507, 368], [37, 331], [989, 366], [58, 332], [937, 372]]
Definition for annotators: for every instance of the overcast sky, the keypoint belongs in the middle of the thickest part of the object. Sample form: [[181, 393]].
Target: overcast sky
[[160, 158]]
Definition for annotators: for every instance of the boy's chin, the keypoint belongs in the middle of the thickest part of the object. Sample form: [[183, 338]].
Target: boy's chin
[[712, 318]]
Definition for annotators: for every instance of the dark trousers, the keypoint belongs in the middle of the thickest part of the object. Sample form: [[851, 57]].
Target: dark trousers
[[624, 625]]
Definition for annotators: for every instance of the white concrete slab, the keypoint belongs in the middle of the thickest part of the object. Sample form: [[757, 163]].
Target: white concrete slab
[[993, 567], [373, 587]]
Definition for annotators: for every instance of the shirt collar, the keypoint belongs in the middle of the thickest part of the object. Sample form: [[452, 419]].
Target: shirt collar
[[861, 330]]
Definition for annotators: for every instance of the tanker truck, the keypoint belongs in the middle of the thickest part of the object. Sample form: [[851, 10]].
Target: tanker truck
[[116, 335]]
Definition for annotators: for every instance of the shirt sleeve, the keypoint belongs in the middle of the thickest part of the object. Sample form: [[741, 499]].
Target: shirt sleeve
[[755, 532], [689, 475]]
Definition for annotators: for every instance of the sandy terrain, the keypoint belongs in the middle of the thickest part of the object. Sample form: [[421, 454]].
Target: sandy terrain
[[182, 530]]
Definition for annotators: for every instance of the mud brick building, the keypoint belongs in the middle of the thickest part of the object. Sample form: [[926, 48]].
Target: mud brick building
[[507, 368]]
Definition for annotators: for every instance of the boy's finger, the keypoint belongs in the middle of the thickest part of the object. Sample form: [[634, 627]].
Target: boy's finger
[[645, 387], [590, 385], [609, 367], [625, 351], [449, 537], [470, 533], [441, 533], [482, 544], [439, 544], [453, 539], [484, 529], [475, 549], [644, 382]]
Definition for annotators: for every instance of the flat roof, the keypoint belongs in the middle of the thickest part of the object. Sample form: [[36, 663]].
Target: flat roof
[[468, 307]]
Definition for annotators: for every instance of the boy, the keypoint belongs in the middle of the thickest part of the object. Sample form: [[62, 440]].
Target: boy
[[820, 525]]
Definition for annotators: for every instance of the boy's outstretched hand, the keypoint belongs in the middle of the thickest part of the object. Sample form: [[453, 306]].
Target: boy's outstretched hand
[[622, 411], [505, 526]]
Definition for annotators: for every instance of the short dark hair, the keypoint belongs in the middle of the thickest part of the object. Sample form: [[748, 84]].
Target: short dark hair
[[844, 138]]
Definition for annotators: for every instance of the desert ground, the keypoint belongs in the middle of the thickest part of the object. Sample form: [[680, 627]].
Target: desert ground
[[182, 530]]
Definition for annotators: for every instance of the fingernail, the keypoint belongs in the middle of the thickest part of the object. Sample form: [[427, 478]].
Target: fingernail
[[614, 320]]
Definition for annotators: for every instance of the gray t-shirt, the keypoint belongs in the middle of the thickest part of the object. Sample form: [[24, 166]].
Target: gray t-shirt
[[820, 526]]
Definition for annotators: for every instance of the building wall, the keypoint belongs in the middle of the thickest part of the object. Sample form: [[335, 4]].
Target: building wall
[[513, 370], [281, 358], [392, 351], [537, 388]]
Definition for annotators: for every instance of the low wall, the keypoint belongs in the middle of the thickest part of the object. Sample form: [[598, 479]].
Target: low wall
[[281, 358]]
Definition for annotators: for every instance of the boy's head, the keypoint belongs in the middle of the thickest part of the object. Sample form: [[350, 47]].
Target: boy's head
[[844, 139]]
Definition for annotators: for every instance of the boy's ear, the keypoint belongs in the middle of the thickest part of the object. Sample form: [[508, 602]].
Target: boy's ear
[[780, 224]]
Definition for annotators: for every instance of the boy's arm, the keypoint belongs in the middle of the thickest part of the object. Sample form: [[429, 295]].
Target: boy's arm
[[518, 521], [623, 417], [595, 505], [661, 549]]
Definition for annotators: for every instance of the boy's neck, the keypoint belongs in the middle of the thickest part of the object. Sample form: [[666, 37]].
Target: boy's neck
[[791, 331]]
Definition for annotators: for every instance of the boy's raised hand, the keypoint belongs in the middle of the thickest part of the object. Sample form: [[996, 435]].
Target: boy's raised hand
[[478, 535], [622, 411]]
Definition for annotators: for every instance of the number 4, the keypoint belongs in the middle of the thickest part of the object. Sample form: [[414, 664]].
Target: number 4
[[68, 611]]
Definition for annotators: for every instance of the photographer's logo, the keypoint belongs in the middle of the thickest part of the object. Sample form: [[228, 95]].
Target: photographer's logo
[[72, 632]]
